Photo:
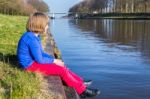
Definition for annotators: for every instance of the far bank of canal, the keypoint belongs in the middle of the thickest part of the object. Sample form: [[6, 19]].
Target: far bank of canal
[[115, 54], [110, 15]]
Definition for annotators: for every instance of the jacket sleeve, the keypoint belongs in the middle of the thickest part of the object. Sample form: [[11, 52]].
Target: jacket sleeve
[[36, 52], [47, 55]]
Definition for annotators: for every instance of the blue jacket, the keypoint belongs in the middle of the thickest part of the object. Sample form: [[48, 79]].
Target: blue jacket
[[30, 50]]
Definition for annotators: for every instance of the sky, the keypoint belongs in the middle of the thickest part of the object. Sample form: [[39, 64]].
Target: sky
[[61, 6]]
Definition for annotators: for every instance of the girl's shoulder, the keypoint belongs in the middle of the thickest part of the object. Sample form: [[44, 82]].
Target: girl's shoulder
[[28, 39], [28, 36]]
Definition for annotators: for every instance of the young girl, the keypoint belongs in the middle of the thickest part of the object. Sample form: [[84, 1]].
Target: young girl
[[32, 57]]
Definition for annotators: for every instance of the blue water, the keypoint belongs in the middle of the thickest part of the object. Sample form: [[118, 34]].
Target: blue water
[[118, 62]]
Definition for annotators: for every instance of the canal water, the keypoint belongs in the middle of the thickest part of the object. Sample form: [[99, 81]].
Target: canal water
[[115, 54]]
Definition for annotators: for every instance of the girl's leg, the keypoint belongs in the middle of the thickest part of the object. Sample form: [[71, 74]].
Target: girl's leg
[[63, 72], [75, 76]]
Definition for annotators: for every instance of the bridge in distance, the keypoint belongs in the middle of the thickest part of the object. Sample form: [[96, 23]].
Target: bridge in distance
[[61, 14]]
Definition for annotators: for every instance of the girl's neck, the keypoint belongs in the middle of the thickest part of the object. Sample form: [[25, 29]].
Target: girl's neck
[[36, 34]]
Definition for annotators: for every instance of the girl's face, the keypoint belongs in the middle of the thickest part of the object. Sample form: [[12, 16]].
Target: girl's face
[[46, 29]]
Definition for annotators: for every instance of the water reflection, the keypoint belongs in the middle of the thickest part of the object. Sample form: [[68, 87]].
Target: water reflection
[[113, 53], [130, 35]]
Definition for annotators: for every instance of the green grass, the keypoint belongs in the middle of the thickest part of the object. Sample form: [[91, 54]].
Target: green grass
[[15, 83]]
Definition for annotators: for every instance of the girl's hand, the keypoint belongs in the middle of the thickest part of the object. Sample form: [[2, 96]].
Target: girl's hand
[[59, 62]]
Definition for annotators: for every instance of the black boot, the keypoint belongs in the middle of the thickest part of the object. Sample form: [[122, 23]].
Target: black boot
[[90, 93], [87, 82]]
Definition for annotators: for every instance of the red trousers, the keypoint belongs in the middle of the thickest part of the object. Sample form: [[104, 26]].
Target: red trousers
[[70, 78]]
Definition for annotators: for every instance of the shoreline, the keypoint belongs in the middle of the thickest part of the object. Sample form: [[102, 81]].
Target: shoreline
[[110, 16], [55, 84]]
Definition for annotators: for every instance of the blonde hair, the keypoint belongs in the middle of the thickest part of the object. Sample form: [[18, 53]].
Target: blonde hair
[[37, 22]]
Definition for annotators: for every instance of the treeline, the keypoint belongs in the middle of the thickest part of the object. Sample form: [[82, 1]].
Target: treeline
[[22, 7], [112, 6]]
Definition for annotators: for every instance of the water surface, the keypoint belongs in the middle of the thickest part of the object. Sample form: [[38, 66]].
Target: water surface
[[115, 54]]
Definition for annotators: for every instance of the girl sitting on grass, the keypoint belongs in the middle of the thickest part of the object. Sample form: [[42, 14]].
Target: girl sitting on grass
[[32, 57]]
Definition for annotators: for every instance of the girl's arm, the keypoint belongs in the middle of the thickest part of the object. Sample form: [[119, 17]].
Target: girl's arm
[[46, 55], [36, 53], [56, 61]]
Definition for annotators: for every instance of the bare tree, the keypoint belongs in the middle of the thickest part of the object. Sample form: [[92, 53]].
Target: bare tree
[[116, 6]]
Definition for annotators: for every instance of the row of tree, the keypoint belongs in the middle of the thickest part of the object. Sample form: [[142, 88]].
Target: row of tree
[[23, 7], [112, 6]]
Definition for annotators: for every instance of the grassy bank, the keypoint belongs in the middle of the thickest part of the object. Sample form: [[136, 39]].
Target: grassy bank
[[14, 82]]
